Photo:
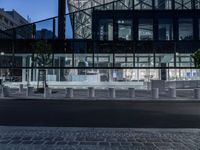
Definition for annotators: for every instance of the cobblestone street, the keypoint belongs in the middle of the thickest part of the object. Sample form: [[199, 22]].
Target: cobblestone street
[[34, 138]]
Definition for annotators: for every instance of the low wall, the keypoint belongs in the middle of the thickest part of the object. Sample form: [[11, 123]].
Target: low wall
[[183, 84], [83, 85]]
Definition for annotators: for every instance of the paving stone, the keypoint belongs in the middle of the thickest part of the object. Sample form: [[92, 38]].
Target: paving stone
[[23, 138]]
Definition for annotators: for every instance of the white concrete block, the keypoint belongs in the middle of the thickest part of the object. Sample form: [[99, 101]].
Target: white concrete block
[[91, 92], [131, 92], [155, 93], [112, 92]]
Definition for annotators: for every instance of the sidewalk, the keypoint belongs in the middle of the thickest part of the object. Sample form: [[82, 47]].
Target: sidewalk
[[45, 138]]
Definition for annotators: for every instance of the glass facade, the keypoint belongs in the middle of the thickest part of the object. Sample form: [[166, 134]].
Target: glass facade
[[163, 4], [165, 29], [124, 29], [145, 31], [128, 40], [183, 4], [185, 29], [143, 4], [106, 29]]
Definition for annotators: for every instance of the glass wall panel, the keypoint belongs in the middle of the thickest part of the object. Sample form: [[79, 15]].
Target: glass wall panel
[[197, 4], [68, 27], [124, 29], [124, 5], [106, 29], [183, 4], [144, 60], [143, 4], [6, 60], [184, 60], [185, 29], [44, 29], [164, 60], [165, 29], [145, 29], [83, 60], [62, 60], [123, 60], [163, 4], [103, 60]]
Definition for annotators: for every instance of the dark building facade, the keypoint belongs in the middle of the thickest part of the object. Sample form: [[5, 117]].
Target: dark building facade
[[121, 41]]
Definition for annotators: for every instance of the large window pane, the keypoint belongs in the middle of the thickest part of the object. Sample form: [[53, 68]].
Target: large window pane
[[103, 60], [165, 29], [145, 29], [144, 60], [106, 29], [185, 29], [143, 4], [163, 4], [183, 4], [124, 29], [184, 60], [164, 60]]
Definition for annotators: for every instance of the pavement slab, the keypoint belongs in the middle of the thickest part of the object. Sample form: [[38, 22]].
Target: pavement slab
[[54, 138]]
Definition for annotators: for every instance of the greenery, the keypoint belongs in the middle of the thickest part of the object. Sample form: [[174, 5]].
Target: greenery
[[42, 58], [196, 57]]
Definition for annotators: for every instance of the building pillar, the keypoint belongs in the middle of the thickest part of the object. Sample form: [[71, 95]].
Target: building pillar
[[61, 18], [163, 72], [24, 70]]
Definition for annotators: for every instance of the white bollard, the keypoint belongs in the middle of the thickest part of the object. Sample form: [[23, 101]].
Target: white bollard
[[172, 92], [197, 93], [20, 88], [131, 92], [91, 92], [112, 92], [29, 91], [155, 93], [70, 92], [5, 91], [47, 92]]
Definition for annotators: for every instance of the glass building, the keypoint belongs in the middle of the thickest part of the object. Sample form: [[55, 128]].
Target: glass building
[[106, 41]]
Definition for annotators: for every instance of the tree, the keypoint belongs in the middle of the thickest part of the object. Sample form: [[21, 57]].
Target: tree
[[42, 58], [196, 57]]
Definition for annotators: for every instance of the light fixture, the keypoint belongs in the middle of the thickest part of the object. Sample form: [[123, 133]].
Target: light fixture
[[2, 53]]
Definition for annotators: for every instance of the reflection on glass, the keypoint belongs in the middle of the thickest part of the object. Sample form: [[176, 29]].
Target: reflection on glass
[[143, 4], [124, 29], [164, 59], [106, 29], [145, 29], [103, 60], [163, 4], [83, 60], [184, 60], [165, 29], [197, 4], [44, 29], [123, 60], [144, 60], [183, 4], [123, 5], [185, 29]]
